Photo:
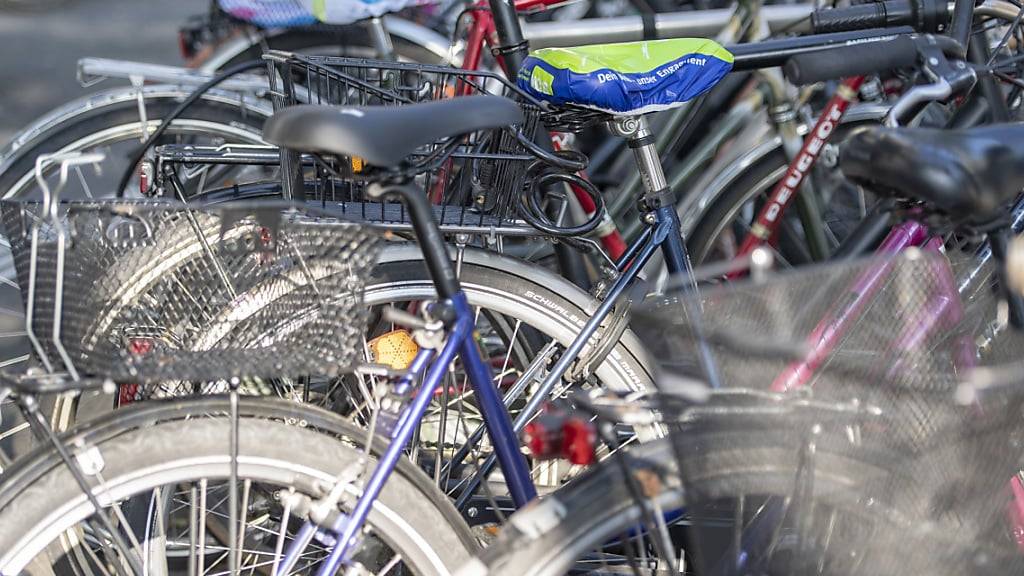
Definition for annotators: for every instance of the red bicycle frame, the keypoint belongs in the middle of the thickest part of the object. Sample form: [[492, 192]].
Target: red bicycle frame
[[483, 32], [766, 224]]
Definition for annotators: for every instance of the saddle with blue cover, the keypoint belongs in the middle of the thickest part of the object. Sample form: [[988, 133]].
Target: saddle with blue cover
[[626, 78]]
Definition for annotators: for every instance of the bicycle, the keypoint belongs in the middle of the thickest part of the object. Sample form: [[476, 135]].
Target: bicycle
[[755, 479], [819, 329], [253, 240]]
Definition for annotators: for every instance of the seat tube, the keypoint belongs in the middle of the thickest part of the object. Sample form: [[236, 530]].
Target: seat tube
[[657, 204]]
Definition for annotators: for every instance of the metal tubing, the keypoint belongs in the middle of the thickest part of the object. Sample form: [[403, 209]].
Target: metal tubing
[[499, 424], [544, 390], [672, 246], [963, 15], [403, 433], [701, 23], [833, 326], [772, 53]]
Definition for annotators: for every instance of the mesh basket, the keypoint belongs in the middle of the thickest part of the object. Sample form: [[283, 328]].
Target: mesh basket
[[477, 178], [836, 417], [162, 291]]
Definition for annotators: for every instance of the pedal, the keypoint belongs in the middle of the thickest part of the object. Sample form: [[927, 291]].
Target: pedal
[[396, 349]]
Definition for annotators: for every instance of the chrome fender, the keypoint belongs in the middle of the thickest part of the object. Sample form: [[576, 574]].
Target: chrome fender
[[398, 27]]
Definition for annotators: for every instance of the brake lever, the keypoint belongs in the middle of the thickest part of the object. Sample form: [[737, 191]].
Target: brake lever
[[948, 78]]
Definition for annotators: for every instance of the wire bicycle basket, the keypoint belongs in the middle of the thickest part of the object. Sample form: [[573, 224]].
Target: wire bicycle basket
[[836, 418], [148, 291], [478, 177], [477, 180]]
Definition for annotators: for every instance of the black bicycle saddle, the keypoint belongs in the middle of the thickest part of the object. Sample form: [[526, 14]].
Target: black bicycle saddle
[[969, 174], [383, 136]]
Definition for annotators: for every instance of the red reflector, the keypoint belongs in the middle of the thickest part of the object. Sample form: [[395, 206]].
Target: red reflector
[[579, 439], [140, 346], [127, 394], [541, 443]]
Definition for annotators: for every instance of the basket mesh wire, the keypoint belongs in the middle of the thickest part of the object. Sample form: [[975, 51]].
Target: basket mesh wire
[[161, 291], [836, 419], [476, 178]]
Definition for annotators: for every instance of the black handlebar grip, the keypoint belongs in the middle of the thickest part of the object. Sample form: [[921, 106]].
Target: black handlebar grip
[[862, 17], [852, 60]]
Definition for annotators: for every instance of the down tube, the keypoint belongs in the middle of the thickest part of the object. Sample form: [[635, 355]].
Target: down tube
[[543, 391], [407, 424], [499, 424]]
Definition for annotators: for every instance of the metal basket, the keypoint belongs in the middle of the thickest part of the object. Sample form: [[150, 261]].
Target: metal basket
[[145, 292], [476, 180], [836, 395]]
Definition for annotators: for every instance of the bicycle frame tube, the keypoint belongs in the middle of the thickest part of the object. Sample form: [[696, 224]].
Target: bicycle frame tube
[[506, 445], [830, 330], [663, 234], [768, 219]]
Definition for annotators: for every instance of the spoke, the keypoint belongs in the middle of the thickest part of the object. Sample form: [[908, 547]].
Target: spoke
[[154, 561], [15, 360], [828, 539], [246, 487], [218, 560], [85, 185], [391, 564], [95, 560], [508, 353], [192, 528], [200, 567], [14, 430], [279, 546], [778, 529], [442, 424]]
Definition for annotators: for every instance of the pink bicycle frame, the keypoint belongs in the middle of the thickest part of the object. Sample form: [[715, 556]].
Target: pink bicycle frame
[[943, 311]]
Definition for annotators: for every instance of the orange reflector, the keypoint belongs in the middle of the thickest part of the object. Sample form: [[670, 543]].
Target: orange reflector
[[395, 349]]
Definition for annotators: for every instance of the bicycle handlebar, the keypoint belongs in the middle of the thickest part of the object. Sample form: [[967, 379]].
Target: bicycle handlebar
[[879, 55]]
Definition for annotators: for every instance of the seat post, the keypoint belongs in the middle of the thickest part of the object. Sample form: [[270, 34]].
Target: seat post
[[639, 138]]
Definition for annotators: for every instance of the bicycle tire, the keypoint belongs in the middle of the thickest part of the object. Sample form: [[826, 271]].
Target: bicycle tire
[[760, 176], [117, 111], [145, 445], [546, 538]]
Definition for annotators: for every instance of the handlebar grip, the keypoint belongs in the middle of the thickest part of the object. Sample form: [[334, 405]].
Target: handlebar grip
[[861, 17], [926, 16], [852, 60]]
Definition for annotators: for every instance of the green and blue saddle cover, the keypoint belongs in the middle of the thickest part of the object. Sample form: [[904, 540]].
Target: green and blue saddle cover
[[627, 77]]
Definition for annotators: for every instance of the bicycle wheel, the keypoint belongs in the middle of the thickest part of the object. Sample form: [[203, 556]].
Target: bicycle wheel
[[108, 122], [725, 222], [175, 459], [743, 482]]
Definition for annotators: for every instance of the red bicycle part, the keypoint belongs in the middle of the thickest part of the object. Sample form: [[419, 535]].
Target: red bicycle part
[[767, 223]]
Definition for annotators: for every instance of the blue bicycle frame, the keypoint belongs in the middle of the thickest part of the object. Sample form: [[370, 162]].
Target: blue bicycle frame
[[453, 308]]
